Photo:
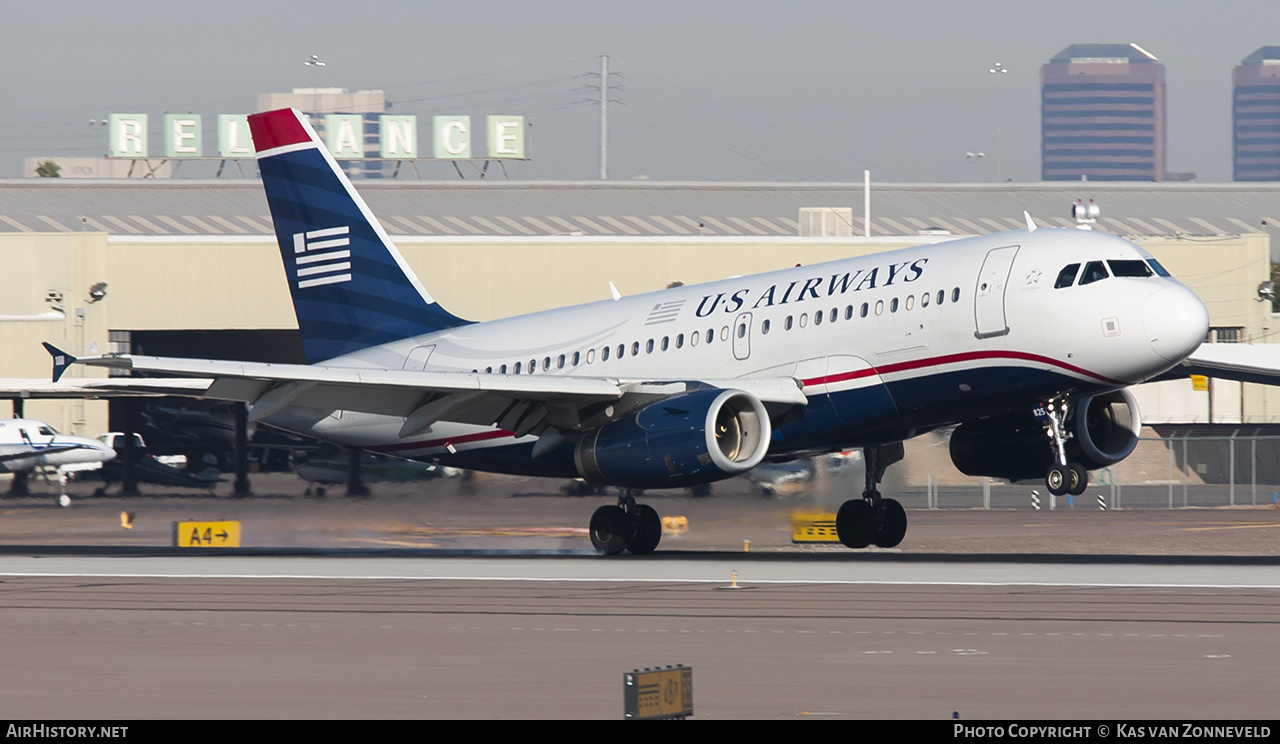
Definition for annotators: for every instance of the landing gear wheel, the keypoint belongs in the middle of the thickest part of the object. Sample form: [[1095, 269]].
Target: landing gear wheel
[[893, 524], [608, 527], [855, 523], [647, 530], [1058, 479], [1079, 480]]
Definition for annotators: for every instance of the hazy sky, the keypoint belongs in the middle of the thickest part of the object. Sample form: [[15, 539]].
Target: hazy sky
[[749, 90]]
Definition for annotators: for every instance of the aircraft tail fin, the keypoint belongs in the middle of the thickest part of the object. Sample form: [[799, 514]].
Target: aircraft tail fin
[[351, 287], [61, 359]]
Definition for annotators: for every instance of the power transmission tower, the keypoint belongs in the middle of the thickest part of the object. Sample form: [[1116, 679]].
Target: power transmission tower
[[604, 102]]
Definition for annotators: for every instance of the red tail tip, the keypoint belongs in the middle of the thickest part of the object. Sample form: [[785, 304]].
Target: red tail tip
[[272, 129]]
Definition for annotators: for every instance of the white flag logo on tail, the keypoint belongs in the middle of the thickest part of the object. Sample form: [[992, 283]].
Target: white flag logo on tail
[[317, 261]]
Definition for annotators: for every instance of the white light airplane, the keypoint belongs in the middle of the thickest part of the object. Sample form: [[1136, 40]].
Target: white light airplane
[[1026, 340], [27, 444]]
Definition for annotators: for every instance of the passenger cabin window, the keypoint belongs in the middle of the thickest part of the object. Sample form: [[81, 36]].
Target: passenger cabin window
[[1132, 268], [1094, 271], [1067, 276]]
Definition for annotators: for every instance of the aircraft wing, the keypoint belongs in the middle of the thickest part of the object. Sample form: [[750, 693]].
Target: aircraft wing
[[519, 403], [110, 387], [1258, 363]]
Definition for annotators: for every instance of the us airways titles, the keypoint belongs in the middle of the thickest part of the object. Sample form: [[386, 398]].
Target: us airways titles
[[801, 289]]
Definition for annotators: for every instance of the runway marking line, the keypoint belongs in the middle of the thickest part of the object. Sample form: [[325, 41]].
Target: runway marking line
[[632, 580], [1231, 527]]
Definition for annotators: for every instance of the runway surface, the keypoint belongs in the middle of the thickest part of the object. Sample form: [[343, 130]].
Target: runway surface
[[481, 599], [489, 637]]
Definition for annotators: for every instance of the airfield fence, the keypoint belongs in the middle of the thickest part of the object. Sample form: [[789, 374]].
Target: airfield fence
[[1163, 472]]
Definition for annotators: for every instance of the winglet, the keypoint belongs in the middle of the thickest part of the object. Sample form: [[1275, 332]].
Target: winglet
[[1031, 224], [61, 360], [614, 291]]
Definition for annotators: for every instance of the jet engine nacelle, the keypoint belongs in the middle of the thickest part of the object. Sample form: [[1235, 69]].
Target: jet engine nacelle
[[685, 440], [1104, 430]]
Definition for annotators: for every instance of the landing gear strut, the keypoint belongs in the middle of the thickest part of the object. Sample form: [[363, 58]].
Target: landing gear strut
[[627, 526], [1063, 476], [873, 519]]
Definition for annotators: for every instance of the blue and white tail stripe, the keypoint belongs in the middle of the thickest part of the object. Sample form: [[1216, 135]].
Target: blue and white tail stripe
[[351, 287]]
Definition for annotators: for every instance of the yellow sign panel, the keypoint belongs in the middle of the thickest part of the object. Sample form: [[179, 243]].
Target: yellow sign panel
[[206, 534], [659, 693], [1199, 383], [813, 527]]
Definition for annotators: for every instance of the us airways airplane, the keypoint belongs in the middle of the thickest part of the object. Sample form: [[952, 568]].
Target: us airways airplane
[[1024, 340], [27, 444]]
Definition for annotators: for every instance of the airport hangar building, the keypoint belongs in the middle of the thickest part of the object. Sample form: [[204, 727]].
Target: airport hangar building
[[190, 268]]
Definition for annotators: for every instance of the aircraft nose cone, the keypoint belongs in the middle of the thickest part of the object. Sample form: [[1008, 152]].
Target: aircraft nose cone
[[1176, 322]]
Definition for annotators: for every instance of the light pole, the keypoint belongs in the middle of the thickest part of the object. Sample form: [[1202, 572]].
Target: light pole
[[315, 61], [998, 69], [974, 157]]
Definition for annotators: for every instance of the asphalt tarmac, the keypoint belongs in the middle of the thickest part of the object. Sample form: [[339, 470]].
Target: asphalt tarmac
[[501, 513], [481, 599]]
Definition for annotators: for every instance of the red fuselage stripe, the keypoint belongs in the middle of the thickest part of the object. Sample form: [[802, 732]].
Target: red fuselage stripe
[[954, 359]]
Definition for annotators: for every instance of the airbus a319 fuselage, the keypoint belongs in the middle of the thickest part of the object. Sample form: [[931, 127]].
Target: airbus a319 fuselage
[[1010, 336]]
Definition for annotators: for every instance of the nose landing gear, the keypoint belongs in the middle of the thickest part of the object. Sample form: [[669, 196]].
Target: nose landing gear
[[1063, 476]]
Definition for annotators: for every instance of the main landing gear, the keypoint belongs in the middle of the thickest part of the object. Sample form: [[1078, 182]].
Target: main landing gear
[[873, 519], [1063, 476], [628, 526]]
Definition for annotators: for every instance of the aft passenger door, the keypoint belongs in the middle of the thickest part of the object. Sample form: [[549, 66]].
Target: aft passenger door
[[988, 296]]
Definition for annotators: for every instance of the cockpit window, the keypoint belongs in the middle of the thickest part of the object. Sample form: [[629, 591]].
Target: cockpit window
[[1160, 270], [1067, 276], [1094, 271], [1130, 268], [48, 431]]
